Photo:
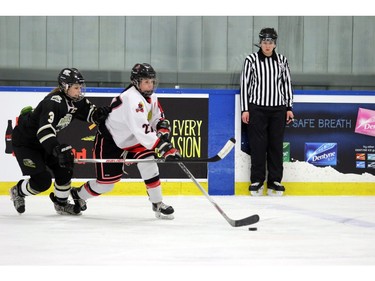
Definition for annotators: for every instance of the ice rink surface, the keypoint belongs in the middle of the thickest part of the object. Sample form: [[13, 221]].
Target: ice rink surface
[[118, 237]]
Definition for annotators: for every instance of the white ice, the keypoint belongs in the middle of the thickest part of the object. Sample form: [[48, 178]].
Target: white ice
[[120, 235]]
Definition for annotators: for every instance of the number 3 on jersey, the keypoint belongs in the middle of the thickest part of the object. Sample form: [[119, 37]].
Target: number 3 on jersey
[[51, 117]]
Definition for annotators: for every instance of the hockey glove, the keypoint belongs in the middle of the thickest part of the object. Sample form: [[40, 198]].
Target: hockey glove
[[167, 151], [65, 156], [100, 114], [163, 130]]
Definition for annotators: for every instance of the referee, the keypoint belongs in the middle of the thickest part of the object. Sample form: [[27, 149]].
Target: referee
[[266, 106]]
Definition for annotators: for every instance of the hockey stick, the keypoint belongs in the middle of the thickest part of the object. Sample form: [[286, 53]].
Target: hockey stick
[[220, 155], [246, 221]]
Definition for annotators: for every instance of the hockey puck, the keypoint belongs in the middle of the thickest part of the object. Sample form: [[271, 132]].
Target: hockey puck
[[253, 228]]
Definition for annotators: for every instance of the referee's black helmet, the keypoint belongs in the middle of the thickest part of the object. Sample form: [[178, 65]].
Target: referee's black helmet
[[268, 33]]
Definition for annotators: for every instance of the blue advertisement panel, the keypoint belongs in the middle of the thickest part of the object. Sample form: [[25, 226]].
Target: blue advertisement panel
[[337, 130], [340, 135]]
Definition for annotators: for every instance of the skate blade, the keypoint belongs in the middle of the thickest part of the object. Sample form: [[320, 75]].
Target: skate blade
[[161, 216], [257, 193], [274, 193], [67, 214]]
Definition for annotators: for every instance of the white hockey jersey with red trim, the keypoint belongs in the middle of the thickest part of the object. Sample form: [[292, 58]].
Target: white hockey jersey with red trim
[[133, 120]]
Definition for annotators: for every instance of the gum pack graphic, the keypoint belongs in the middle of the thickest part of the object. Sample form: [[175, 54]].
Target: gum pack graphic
[[365, 122], [321, 154]]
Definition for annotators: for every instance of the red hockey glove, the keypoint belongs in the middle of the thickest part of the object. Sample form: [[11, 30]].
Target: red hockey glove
[[167, 151], [163, 130]]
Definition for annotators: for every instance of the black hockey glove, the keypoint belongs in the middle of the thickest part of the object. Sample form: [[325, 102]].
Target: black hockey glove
[[163, 130], [65, 156], [167, 151], [100, 114]]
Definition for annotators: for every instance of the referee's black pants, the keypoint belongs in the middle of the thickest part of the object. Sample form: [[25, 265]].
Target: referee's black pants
[[266, 135]]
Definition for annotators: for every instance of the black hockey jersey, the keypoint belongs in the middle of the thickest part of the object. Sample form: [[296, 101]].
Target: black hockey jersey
[[38, 128]]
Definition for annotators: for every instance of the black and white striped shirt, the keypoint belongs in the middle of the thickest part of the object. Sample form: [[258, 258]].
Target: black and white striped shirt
[[265, 81]]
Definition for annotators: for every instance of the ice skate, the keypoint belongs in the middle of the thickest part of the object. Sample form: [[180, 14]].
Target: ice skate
[[64, 207], [77, 200], [256, 189], [18, 200], [163, 211], [275, 189]]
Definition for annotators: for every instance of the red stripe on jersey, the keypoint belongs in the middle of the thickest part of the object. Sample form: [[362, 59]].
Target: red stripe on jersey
[[135, 148], [144, 154]]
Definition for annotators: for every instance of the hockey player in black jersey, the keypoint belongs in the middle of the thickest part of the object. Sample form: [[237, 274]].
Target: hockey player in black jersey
[[36, 146]]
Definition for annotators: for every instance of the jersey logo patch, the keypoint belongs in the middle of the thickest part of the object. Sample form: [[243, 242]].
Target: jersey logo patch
[[140, 107], [64, 122], [57, 99], [29, 163]]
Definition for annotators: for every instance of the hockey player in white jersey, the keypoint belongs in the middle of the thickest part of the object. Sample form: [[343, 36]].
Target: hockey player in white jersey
[[135, 129]]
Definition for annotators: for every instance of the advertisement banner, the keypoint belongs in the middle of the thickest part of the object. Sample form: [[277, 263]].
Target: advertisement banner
[[189, 134], [336, 131], [188, 114], [341, 135]]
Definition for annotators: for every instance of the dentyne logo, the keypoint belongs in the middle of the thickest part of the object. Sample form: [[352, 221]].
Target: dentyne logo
[[365, 122], [321, 154]]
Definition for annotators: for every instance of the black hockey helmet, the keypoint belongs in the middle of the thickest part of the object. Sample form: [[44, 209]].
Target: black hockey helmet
[[143, 71], [69, 76], [268, 33]]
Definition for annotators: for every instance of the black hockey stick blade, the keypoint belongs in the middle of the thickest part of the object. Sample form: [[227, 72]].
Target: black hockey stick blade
[[246, 221], [219, 156], [235, 223]]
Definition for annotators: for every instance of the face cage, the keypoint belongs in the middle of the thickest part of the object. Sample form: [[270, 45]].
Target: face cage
[[81, 95], [146, 94]]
